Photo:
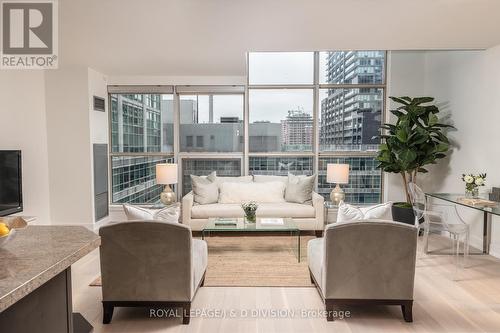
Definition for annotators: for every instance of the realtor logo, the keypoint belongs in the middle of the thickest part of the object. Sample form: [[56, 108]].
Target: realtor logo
[[29, 35]]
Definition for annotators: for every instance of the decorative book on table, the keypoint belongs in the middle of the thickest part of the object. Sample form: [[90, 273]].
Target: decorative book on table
[[272, 221], [226, 221], [478, 202]]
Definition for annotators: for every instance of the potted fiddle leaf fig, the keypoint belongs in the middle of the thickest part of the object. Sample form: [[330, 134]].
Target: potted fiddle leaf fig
[[416, 140]]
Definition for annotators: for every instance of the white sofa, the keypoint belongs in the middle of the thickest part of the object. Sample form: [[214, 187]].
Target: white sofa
[[307, 216]]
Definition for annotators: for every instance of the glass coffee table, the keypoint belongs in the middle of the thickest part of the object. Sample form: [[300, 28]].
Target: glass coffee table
[[261, 226]]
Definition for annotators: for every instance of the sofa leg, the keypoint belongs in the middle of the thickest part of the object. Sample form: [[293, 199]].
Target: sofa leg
[[407, 309], [186, 313], [107, 312], [319, 233], [330, 310]]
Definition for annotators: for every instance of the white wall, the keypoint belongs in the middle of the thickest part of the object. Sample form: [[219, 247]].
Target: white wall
[[406, 77], [465, 85], [23, 126], [98, 86], [69, 138], [99, 121]]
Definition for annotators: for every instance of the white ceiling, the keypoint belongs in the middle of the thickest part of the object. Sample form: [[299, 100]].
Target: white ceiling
[[210, 37]]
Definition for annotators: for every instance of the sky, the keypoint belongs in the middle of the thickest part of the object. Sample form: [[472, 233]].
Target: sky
[[270, 104]]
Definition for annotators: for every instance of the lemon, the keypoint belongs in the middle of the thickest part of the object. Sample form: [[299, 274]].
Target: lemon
[[4, 230]]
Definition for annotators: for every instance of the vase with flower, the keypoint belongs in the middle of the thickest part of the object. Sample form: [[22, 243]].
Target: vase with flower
[[472, 184], [250, 209]]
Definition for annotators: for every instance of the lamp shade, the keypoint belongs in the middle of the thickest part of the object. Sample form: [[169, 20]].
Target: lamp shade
[[337, 173], [166, 173]]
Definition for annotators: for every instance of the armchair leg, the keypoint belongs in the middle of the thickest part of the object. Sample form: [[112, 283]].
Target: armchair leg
[[330, 310], [311, 277], [319, 233], [407, 309], [107, 312], [186, 315]]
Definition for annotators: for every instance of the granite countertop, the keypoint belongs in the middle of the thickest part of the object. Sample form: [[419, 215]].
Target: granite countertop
[[37, 254]]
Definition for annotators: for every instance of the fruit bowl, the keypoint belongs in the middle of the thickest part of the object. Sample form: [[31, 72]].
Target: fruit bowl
[[7, 238], [14, 224]]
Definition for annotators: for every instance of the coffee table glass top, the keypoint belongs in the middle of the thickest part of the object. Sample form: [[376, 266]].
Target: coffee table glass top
[[239, 224]]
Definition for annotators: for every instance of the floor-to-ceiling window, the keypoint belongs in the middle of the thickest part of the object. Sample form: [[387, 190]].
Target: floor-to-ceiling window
[[211, 131], [141, 134], [350, 112], [298, 112], [309, 109]]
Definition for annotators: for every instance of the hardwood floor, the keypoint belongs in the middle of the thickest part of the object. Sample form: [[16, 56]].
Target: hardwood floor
[[444, 302]]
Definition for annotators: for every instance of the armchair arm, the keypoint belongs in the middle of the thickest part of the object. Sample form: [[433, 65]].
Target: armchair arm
[[187, 204], [318, 203]]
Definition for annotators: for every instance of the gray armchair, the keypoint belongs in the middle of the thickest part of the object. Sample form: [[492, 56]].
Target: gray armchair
[[368, 262], [148, 263]]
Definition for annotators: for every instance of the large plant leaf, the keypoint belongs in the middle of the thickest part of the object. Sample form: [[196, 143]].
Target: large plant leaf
[[433, 119], [400, 100], [397, 113], [422, 100], [402, 134], [416, 138], [407, 156]]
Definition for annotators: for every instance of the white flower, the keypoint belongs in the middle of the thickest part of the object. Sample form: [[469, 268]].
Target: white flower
[[469, 179], [479, 181]]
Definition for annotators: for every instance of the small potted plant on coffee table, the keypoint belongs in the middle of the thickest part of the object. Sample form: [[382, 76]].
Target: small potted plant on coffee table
[[250, 208]]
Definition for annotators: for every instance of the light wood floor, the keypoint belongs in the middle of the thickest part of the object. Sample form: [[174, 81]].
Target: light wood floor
[[444, 302]]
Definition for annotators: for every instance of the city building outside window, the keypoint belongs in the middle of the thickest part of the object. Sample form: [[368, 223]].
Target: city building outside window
[[140, 124], [215, 121]]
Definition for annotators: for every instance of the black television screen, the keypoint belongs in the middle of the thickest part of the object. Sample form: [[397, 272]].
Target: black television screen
[[11, 196]]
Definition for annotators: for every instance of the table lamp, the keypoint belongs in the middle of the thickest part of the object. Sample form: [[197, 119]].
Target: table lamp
[[166, 174], [338, 174]]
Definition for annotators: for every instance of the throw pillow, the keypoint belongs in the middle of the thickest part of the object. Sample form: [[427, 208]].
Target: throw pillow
[[168, 214], [299, 188], [237, 193], [381, 211], [348, 213], [205, 189]]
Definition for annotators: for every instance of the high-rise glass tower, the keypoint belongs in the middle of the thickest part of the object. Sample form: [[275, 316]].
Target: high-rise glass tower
[[136, 126], [350, 119]]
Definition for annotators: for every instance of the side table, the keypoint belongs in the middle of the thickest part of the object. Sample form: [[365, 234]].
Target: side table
[[329, 205]]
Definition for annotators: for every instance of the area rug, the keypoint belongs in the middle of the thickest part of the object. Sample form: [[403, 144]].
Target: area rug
[[254, 261]]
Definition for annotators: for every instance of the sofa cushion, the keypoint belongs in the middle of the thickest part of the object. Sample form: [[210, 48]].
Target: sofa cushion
[[246, 192], [285, 209], [205, 189], [299, 189], [216, 210]]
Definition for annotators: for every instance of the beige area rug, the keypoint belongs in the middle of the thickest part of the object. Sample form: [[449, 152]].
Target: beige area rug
[[255, 261]]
